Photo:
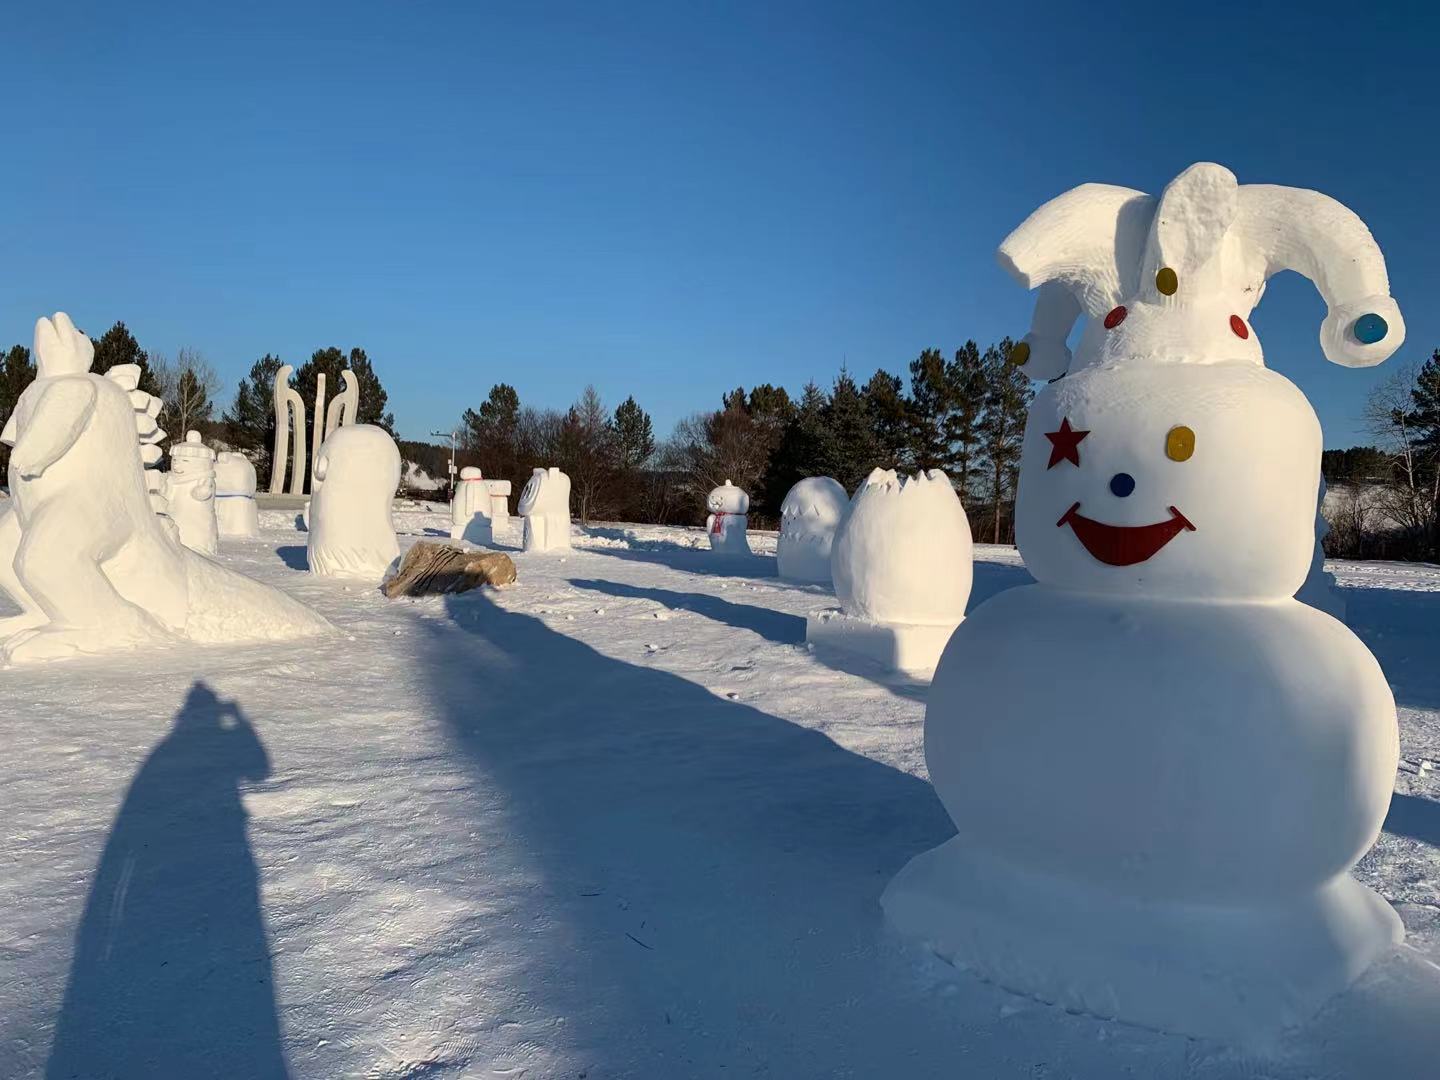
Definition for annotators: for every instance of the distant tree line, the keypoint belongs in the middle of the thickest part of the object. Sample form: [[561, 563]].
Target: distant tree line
[[1384, 500], [965, 415]]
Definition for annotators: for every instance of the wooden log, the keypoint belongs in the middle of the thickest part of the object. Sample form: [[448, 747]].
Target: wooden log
[[431, 569]]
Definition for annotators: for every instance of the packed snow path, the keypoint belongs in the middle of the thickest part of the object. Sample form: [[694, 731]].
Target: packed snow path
[[613, 822]]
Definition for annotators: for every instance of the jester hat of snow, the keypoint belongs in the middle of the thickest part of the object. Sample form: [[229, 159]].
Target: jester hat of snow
[[1174, 279]]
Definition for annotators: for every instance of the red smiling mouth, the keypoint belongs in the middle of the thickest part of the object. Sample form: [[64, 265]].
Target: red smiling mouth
[[1124, 545]]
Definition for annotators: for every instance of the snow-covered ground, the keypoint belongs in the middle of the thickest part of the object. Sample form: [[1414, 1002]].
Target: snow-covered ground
[[615, 821]]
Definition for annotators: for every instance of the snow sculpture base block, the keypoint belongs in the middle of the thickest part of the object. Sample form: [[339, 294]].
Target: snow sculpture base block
[[913, 648], [478, 530], [1239, 975]]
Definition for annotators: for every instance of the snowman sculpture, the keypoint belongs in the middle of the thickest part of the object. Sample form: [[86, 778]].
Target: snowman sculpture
[[1160, 765], [1320, 590], [470, 508], [352, 531], [902, 569], [235, 510], [809, 517], [545, 506], [190, 494], [726, 523]]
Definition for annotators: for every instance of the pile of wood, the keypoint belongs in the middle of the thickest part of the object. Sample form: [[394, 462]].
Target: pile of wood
[[431, 569]]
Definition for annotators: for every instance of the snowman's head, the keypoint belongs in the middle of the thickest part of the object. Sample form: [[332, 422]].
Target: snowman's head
[[1187, 481], [1166, 459], [234, 474], [358, 461], [728, 499]]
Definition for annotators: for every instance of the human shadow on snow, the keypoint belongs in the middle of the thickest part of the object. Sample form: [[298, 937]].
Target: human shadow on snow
[[718, 869], [171, 974], [774, 626]]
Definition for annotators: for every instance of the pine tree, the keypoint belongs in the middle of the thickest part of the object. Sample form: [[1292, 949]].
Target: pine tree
[[851, 448], [804, 450], [1426, 395], [889, 419], [332, 361], [1002, 427], [634, 435], [250, 420], [490, 436], [966, 378], [930, 404], [16, 373], [118, 346]]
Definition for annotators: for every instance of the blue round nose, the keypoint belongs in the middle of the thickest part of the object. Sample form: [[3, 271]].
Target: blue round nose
[[1122, 484]]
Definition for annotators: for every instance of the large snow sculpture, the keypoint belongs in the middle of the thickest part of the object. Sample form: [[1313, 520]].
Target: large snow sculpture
[[809, 516], [902, 569], [471, 507], [1320, 590], [190, 494], [235, 511], [290, 420], [82, 550], [351, 532], [545, 506], [499, 505], [1161, 766], [726, 523]]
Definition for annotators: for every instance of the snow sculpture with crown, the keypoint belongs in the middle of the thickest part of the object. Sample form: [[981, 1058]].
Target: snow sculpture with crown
[[83, 551], [1161, 766]]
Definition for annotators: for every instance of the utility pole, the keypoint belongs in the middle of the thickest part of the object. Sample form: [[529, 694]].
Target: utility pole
[[452, 436]]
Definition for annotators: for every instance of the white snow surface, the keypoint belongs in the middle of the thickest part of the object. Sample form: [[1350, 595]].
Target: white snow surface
[[613, 821]]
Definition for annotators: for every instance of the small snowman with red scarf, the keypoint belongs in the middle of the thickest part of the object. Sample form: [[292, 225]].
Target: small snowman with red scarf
[[725, 525], [1161, 766]]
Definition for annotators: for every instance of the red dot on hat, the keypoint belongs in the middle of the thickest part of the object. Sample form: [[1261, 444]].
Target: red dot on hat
[[1115, 318], [1238, 325]]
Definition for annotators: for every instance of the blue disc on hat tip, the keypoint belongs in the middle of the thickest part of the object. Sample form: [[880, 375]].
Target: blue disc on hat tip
[[1369, 329]]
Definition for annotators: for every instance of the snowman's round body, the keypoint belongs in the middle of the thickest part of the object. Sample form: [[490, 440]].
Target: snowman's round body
[[727, 520], [236, 514], [809, 517], [190, 491], [1161, 766], [470, 508]]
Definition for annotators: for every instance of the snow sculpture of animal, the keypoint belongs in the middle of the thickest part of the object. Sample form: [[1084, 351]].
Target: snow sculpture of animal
[[726, 523], [901, 564], [83, 552], [190, 494], [809, 516], [471, 507], [351, 532], [545, 506], [1161, 767], [235, 511]]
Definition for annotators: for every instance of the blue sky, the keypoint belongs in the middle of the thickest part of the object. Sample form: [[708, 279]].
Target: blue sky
[[664, 199]]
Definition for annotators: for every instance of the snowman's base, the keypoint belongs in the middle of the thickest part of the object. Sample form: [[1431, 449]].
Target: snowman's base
[[478, 530], [1238, 975], [909, 647]]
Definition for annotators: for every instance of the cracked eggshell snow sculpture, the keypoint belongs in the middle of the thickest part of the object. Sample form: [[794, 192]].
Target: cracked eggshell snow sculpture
[[235, 511], [351, 532], [809, 517], [1161, 767], [903, 553], [471, 507], [545, 506], [190, 494], [83, 552], [727, 520]]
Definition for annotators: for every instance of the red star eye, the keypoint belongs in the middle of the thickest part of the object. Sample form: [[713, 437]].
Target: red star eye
[[1065, 444]]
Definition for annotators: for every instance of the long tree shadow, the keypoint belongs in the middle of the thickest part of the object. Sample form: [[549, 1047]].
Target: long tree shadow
[[774, 626], [717, 869], [171, 974], [689, 560]]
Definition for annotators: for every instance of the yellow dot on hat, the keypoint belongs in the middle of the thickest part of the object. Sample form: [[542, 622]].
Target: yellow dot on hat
[[1166, 281], [1020, 354], [1179, 443]]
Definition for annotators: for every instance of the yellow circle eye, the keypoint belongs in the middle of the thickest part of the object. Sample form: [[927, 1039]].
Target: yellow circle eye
[[1180, 443], [1020, 354], [1166, 281]]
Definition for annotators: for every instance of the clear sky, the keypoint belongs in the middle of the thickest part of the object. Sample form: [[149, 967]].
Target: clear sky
[[665, 199]]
